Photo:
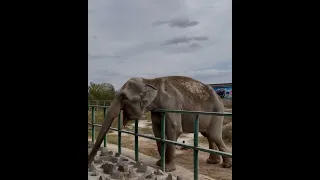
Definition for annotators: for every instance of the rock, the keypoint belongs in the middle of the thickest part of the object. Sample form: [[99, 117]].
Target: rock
[[141, 178], [98, 161], [114, 159], [104, 150], [108, 153], [116, 175], [108, 168], [123, 159], [117, 155], [180, 178], [131, 163], [90, 144], [169, 177], [148, 174], [91, 168], [131, 174], [158, 172], [137, 164], [89, 150], [104, 158], [142, 168], [107, 178], [123, 167], [94, 173]]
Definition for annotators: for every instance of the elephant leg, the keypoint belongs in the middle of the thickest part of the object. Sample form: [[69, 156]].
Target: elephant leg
[[156, 127], [172, 134], [227, 161], [173, 130], [213, 158], [215, 135]]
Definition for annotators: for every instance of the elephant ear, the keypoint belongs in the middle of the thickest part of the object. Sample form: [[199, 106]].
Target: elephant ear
[[148, 95]]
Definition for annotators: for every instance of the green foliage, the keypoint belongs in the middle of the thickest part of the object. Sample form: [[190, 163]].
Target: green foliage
[[103, 91]]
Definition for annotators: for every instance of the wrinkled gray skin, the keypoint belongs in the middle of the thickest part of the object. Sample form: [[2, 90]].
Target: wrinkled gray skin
[[138, 96]]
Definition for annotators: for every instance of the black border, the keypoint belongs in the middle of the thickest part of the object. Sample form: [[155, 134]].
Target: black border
[[269, 112], [46, 90]]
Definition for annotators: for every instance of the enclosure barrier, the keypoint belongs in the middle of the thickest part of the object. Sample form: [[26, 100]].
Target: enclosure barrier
[[163, 141]]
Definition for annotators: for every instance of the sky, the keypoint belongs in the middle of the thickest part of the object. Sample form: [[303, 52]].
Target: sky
[[155, 38]]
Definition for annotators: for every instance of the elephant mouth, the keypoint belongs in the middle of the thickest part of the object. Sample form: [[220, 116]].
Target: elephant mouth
[[133, 118], [128, 118]]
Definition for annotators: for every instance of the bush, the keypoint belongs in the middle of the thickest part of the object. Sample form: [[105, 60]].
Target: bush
[[227, 132]]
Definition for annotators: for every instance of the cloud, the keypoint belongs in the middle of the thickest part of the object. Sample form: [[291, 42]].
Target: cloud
[[149, 38], [185, 39], [179, 22], [194, 46]]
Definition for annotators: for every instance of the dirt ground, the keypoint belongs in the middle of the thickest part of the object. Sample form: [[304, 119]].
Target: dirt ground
[[184, 157]]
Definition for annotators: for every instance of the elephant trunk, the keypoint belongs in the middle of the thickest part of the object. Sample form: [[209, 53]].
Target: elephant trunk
[[112, 112]]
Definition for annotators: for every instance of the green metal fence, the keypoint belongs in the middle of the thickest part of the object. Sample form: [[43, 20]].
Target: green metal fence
[[162, 140], [99, 102]]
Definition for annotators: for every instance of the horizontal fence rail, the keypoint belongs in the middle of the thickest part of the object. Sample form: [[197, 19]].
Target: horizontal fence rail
[[99, 102], [162, 140]]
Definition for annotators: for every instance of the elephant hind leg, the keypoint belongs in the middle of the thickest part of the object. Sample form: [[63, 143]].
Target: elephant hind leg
[[213, 158], [227, 161]]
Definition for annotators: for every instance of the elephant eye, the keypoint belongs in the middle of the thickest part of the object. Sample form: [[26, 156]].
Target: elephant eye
[[124, 96]]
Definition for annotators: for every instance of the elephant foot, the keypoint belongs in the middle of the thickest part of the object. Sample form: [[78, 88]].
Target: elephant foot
[[227, 163], [158, 163], [216, 160], [169, 166]]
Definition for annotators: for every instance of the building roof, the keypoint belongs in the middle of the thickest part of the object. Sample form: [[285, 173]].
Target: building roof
[[221, 84]]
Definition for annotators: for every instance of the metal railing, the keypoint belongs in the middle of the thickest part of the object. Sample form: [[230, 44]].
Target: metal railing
[[99, 102], [162, 140]]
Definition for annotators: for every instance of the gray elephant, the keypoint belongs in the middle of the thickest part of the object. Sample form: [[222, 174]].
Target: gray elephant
[[139, 95]]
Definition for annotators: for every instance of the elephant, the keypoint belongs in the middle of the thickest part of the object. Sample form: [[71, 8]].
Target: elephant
[[140, 95]]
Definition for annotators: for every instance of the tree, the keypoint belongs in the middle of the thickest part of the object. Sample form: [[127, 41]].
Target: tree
[[103, 91]]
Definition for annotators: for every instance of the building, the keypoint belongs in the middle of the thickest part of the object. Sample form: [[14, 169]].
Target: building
[[224, 90]]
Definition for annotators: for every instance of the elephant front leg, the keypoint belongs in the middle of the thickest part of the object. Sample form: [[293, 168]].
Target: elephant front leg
[[158, 163], [169, 154], [173, 129], [156, 118], [171, 134]]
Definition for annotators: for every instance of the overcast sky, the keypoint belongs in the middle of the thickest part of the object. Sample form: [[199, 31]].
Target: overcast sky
[[153, 38]]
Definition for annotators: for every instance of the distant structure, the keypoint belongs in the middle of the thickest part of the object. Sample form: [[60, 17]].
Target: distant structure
[[224, 90], [221, 85]]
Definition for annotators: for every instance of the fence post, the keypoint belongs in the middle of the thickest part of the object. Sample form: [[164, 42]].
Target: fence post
[[119, 132], [195, 151], [104, 118], [93, 122], [136, 142], [163, 144]]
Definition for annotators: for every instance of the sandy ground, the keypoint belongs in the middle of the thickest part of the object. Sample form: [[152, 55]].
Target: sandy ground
[[184, 157]]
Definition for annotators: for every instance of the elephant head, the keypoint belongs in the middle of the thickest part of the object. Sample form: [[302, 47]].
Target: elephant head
[[133, 98]]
